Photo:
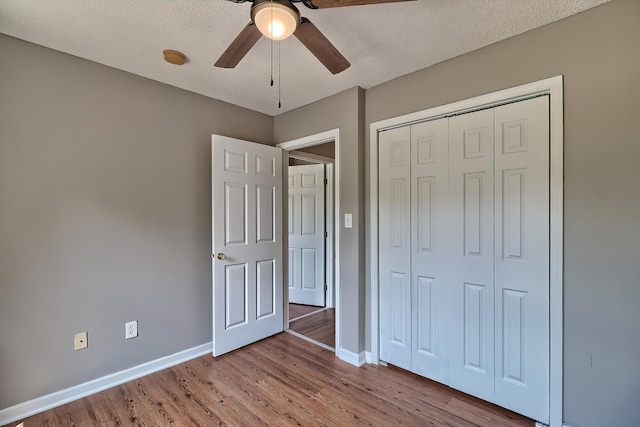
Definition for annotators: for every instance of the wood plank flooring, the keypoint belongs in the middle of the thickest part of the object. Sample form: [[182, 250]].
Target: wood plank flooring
[[279, 381], [297, 310], [318, 326]]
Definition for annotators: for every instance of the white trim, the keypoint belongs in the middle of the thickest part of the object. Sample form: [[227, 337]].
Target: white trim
[[368, 357], [58, 398], [308, 141], [356, 359], [554, 88], [311, 340], [556, 245], [285, 240], [330, 249]]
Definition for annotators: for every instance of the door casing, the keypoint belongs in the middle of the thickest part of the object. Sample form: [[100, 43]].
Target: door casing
[[554, 88]]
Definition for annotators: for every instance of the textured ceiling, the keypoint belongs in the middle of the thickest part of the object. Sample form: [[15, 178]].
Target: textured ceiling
[[382, 42]]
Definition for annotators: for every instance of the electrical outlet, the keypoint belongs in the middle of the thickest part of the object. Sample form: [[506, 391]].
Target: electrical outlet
[[80, 341], [131, 329]]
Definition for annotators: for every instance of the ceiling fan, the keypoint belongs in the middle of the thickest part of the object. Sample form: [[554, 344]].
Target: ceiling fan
[[278, 19]]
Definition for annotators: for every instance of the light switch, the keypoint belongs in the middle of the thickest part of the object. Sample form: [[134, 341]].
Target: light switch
[[348, 220]]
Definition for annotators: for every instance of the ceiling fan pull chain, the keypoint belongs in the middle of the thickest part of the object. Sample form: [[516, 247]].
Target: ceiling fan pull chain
[[279, 74], [271, 47], [271, 62]]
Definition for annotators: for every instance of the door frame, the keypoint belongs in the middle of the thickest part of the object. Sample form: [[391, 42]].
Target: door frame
[[333, 222], [554, 88]]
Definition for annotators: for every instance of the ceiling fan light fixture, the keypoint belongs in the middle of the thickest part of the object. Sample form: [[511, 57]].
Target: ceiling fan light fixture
[[276, 19]]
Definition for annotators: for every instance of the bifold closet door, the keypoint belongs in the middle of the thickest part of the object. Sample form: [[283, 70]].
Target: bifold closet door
[[464, 253], [522, 257], [430, 253], [471, 343], [414, 293], [395, 246]]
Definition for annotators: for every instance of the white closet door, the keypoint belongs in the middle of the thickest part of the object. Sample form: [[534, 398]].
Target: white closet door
[[306, 235], [464, 253], [395, 247], [522, 257], [471, 265], [430, 299]]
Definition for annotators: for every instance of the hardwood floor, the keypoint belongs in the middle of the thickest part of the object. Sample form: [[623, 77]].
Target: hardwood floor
[[279, 381], [297, 310], [318, 326]]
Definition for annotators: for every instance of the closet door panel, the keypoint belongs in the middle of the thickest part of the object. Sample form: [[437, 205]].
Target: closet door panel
[[464, 253], [471, 233], [395, 246], [430, 250], [522, 257]]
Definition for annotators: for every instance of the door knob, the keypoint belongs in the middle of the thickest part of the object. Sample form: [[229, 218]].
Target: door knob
[[221, 256]]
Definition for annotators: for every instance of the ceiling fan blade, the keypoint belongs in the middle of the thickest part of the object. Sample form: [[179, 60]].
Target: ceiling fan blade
[[239, 47], [321, 47], [323, 4]]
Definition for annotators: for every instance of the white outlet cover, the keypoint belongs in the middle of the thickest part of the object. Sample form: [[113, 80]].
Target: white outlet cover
[[80, 341], [131, 329]]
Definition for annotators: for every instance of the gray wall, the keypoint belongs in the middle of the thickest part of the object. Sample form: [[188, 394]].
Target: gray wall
[[105, 214], [345, 111], [598, 52]]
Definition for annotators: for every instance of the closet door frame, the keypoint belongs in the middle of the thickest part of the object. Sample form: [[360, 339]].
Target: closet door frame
[[554, 88]]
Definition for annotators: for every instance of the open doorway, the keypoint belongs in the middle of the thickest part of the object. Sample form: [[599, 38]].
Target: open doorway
[[310, 261], [309, 204]]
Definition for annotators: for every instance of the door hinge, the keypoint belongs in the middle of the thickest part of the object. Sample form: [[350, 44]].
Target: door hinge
[[326, 181], [326, 288], [326, 234]]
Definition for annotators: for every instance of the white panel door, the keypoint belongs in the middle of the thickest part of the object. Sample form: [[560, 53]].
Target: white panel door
[[246, 242], [430, 254], [471, 265], [522, 257], [467, 218], [395, 246], [307, 235]]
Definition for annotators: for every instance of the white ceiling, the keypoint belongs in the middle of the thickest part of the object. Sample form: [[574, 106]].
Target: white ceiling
[[382, 42]]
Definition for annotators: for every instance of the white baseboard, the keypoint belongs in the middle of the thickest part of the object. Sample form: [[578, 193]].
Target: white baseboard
[[368, 357], [41, 404], [539, 424], [356, 359]]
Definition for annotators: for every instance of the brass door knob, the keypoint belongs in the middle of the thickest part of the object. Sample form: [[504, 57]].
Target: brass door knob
[[221, 256]]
